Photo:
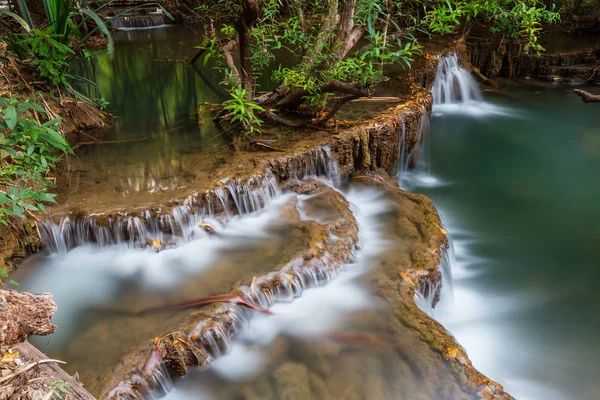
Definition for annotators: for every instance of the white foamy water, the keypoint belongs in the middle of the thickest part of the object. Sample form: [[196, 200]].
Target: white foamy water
[[455, 91], [315, 314], [89, 275], [480, 320]]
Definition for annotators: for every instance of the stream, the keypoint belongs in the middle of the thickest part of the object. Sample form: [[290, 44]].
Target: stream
[[513, 175]]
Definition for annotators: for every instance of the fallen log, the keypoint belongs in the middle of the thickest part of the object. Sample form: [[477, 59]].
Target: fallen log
[[24, 314], [39, 375], [587, 97]]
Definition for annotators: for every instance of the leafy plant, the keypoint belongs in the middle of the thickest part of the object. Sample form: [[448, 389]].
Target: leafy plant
[[28, 149], [60, 388], [243, 111], [52, 49], [4, 275], [46, 53], [511, 18]]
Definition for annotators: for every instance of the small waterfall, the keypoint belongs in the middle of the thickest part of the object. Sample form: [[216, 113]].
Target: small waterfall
[[402, 156], [140, 21], [418, 158], [323, 166], [453, 84], [424, 145], [161, 229], [429, 291]]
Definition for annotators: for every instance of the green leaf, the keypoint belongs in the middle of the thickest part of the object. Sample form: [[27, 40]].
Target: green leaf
[[17, 18], [47, 197], [103, 28], [18, 210], [10, 116], [15, 283]]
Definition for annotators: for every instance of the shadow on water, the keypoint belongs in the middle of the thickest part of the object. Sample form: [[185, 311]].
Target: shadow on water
[[520, 198]]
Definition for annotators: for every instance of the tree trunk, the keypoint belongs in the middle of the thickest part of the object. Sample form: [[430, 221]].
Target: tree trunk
[[44, 374], [247, 19]]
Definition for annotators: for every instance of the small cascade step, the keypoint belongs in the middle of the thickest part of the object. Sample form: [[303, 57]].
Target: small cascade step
[[575, 74], [572, 68], [131, 14]]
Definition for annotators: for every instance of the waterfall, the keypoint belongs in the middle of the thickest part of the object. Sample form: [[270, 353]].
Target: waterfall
[[161, 229], [453, 84], [139, 21], [323, 166], [418, 157], [402, 156], [424, 145]]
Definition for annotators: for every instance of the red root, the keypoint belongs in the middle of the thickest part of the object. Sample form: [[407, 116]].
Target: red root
[[228, 298]]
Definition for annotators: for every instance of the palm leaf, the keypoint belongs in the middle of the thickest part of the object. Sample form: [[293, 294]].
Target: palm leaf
[[102, 26], [17, 18], [25, 12]]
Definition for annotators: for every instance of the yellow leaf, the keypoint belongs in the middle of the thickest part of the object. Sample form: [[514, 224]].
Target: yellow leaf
[[9, 357], [407, 279]]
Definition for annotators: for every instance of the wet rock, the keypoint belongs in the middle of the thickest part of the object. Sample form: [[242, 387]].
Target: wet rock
[[317, 357], [291, 382], [347, 378], [319, 388]]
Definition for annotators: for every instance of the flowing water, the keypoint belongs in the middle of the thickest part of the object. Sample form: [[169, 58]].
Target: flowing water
[[517, 188], [514, 177]]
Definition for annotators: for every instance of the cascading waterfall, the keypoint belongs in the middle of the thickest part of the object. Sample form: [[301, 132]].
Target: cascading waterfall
[[139, 21], [167, 228], [418, 157], [402, 156], [423, 165], [453, 84]]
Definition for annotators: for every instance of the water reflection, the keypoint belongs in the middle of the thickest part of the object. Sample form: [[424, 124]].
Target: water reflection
[[160, 133]]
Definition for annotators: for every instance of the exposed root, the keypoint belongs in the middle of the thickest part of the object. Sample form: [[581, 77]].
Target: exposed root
[[229, 298], [587, 97]]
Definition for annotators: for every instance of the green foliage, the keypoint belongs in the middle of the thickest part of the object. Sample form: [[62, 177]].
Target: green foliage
[[512, 18], [27, 152], [46, 53], [313, 50], [60, 388], [4, 275], [243, 111], [51, 49]]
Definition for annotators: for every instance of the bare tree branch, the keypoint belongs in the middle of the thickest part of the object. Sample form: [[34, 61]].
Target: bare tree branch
[[336, 107]]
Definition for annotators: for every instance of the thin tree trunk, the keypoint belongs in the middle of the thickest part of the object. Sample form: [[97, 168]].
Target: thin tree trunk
[[247, 19]]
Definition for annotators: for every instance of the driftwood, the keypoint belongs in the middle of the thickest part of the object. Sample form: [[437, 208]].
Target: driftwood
[[23, 315], [41, 374], [587, 97]]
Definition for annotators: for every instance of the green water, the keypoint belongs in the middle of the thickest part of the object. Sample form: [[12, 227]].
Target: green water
[[520, 195], [161, 136]]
